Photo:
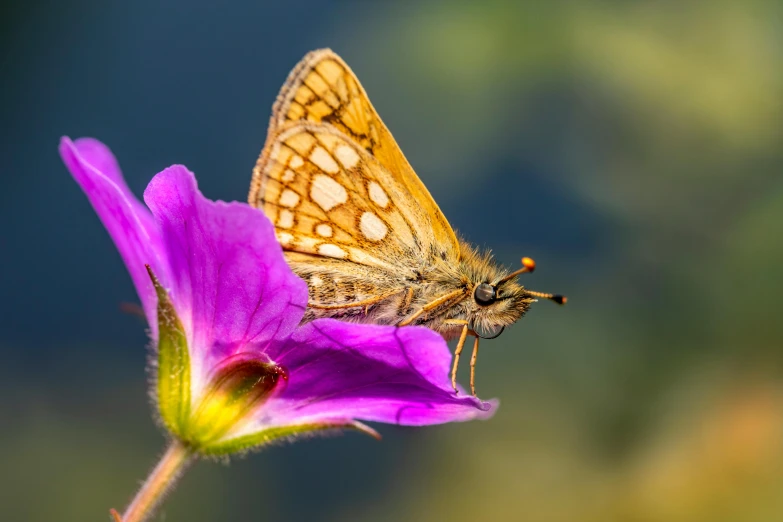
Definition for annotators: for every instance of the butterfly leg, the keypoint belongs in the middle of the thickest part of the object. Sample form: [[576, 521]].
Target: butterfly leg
[[405, 305], [473, 367], [457, 352], [433, 304]]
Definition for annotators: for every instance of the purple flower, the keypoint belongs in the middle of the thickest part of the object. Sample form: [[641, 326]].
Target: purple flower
[[235, 369]]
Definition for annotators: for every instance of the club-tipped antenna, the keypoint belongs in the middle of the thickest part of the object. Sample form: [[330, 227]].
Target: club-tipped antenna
[[528, 265], [559, 299]]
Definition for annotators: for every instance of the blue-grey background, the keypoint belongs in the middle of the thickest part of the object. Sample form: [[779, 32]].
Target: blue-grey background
[[632, 148]]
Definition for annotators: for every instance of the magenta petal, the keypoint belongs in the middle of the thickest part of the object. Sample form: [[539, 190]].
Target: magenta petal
[[229, 279], [127, 220], [239, 302], [340, 371]]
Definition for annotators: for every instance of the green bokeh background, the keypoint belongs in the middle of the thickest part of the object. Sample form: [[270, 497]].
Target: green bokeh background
[[632, 148]]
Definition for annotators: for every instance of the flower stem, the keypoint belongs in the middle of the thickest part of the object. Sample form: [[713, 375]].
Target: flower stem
[[160, 480]]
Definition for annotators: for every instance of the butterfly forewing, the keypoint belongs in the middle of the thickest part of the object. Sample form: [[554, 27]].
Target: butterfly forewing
[[329, 197], [322, 89]]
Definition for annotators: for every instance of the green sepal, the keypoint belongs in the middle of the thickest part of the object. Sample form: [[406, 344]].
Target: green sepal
[[263, 437], [173, 382]]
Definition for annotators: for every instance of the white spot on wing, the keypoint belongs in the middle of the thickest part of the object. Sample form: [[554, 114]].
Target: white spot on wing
[[288, 175], [327, 193], [285, 238], [296, 161], [323, 230], [377, 194], [289, 198], [324, 161], [329, 250], [347, 156], [285, 219], [372, 227]]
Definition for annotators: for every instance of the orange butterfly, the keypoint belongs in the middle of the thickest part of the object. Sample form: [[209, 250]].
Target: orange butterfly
[[359, 226]]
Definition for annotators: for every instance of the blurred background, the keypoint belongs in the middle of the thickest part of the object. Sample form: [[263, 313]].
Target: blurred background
[[633, 149]]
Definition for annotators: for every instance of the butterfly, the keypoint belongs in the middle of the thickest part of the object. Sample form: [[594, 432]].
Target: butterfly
[[359, 226]]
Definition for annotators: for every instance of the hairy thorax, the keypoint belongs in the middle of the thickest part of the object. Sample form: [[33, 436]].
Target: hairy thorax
[[437, 294]]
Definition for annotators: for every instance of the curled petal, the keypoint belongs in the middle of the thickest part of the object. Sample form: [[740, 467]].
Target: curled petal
[[127, 220], [341, 371]]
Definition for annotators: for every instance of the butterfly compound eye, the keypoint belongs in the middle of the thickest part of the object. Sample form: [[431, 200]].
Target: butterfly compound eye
[[485, 294]]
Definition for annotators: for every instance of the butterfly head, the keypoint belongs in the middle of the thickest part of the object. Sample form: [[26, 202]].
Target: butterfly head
[[497, 299]]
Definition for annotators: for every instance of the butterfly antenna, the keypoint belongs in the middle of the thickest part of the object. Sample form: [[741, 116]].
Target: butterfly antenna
[[528, 265], [559, 299]]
